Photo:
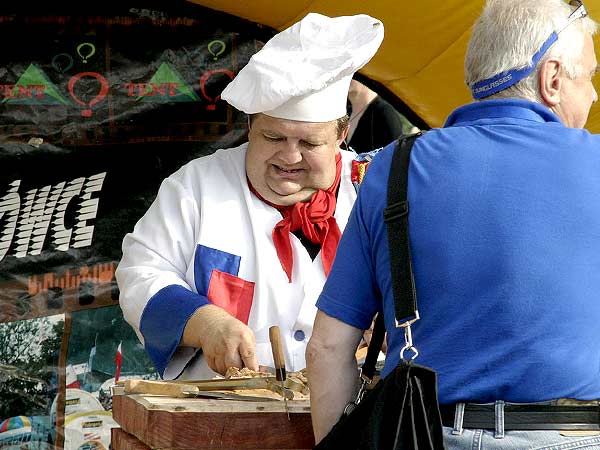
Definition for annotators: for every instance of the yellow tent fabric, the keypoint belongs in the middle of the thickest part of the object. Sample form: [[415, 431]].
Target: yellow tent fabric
[[421, 58]]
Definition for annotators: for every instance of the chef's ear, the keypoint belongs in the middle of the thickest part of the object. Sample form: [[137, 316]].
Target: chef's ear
[[251, 118]]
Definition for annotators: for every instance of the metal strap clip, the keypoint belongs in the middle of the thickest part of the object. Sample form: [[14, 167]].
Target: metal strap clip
[[364, 382], [408, 342]]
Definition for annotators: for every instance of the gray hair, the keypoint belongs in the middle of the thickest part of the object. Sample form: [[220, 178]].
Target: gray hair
[[509, 32]]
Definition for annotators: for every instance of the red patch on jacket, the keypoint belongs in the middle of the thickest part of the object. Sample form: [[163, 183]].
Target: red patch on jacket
[[231, 293]]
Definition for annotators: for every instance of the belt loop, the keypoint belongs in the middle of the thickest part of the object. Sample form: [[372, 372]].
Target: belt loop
[[499, 419], [459, 414]]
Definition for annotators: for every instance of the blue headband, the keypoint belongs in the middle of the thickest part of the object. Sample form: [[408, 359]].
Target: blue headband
[[499, 82]]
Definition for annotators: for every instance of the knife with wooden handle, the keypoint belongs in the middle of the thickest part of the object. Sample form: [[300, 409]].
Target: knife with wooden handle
[[179, 390], [279, 360]]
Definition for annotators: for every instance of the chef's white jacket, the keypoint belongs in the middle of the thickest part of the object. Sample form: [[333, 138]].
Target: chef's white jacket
[[207, 238]]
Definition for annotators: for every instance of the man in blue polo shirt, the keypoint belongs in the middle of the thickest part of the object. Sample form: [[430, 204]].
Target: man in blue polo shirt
[[505, 237]]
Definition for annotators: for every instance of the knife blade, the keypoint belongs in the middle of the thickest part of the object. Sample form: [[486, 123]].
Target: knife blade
[[221, 384], [279, 360], [227, 396]]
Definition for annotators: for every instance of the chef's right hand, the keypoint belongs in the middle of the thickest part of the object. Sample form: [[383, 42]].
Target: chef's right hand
[[225, 341]]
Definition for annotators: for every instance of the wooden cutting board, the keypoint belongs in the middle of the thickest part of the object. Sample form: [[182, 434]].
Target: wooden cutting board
[[160, 422], [253, 387]]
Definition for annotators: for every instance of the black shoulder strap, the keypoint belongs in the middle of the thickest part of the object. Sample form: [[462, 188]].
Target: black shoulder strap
[[396, 218]]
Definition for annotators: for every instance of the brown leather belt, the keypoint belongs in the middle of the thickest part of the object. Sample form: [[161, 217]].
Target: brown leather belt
[[526, 416]]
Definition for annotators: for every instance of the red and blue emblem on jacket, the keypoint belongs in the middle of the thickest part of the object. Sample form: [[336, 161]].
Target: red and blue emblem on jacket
[[216, 277], [360, 164], [359, 168]]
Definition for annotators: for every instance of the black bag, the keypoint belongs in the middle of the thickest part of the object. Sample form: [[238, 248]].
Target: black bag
[[401, 411]]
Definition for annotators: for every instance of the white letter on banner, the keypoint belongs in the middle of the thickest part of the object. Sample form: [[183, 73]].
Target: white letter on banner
[[9, 207], [61, 236], [35, 219], [88, 209]]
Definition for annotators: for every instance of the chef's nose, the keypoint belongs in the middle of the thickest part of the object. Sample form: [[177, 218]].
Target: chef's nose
[[290, 153]]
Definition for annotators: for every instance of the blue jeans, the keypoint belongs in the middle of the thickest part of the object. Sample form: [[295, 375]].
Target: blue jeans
[[517, 440], [459, 438]]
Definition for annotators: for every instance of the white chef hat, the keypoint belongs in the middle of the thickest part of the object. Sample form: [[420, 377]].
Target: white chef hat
[[304, 72]]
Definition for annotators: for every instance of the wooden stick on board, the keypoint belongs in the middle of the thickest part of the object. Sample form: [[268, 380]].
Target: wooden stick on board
[[158, 388], [279, 360]]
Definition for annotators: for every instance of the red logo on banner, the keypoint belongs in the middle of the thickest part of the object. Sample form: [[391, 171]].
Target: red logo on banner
[[212, 106], [103, 91]]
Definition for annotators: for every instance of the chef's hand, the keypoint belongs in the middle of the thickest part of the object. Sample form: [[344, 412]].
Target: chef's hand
[[225, 341]]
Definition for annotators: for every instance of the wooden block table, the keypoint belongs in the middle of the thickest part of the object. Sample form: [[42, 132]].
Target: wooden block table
[[158, 422]]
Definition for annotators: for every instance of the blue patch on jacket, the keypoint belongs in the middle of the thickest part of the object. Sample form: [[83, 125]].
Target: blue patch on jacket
[[208, 259]]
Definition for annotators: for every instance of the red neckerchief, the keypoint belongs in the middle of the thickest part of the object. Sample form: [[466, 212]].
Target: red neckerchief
[[316, 220]]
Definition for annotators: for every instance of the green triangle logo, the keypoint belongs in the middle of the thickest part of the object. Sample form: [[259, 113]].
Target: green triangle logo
[[167, 86], [34, 88]]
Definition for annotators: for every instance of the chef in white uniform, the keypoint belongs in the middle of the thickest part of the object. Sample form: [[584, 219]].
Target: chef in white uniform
[[243, 239]]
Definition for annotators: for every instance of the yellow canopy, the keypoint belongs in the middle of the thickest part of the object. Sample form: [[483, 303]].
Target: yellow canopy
[[421, 58]]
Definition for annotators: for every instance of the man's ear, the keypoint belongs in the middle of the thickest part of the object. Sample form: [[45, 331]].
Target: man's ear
[[550, 82]]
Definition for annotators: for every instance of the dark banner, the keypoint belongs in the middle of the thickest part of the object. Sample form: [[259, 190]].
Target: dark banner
[[95, 111]]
